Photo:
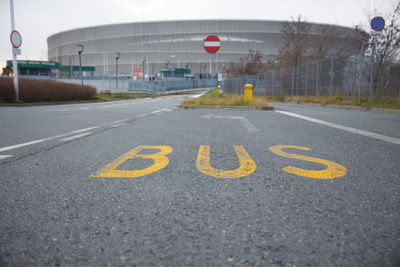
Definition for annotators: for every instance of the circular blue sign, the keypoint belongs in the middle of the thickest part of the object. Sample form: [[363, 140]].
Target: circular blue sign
[[377, 24]]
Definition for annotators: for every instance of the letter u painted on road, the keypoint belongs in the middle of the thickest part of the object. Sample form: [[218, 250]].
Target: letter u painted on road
[[247, 165], [333, 169], [160, 162]]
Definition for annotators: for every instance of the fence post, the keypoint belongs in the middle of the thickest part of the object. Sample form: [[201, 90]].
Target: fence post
[[331, 77], [281, 89], [348, 76], [272, 83], [306, 93], [292, 81], [371, 70], [265, 82], [297, 80], [317, 78], [360, 77]]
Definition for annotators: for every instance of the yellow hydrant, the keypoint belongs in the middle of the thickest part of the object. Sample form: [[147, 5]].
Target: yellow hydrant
[[248, 93]]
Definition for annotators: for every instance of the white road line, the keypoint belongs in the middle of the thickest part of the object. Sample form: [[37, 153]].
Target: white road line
[[248, 125], [345, 128], [5, 156], [85, 130], [143, 115], [117, 125], [21, 145], [75, 136], [2, 149]]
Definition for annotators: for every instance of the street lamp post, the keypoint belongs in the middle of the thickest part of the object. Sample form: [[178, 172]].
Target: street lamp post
[[118, 54], [144, 61], [80, 61]]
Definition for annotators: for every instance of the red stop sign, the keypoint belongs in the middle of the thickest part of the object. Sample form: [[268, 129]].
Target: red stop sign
[[212, 44]]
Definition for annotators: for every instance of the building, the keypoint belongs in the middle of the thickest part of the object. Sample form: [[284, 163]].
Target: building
[[49, 69], [152, 46]]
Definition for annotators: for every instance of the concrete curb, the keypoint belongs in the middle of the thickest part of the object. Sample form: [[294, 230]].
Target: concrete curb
[[226, 107]]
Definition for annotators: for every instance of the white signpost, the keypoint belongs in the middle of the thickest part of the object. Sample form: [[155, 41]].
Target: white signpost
[[16, 41]]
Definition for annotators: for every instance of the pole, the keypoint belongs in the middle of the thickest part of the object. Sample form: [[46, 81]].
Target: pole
[[331, 78], [297, 80], [360, 77], [272, 83], [144, 61], [317, 78], [307, 79], [116, 69], [80, 66], [348, 76], [292, 80], [211, 65], [371, 70], [15, 63], [80, 62]]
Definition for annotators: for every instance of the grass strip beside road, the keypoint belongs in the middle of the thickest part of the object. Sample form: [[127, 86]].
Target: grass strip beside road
[[225, 100], [339, 100]]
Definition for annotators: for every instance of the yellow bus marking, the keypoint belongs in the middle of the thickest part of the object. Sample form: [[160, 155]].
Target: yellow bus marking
[[160, 162], [333, 169], [247, 165]]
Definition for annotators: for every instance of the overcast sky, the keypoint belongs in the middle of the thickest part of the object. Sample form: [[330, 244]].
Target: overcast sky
[[38, 19]]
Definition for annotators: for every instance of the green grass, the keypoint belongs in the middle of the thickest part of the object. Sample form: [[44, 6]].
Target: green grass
[[225, 100], [339, 100], [106, 96]]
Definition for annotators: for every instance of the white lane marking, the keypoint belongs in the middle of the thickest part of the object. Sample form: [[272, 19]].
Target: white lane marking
[[120, 121], [5, 156], [155, 112], [85, 130], [117, 125], [345, 128], [102, 106], [248, 125], [75, 136], [2, 149], [159, 111], [21, 145]]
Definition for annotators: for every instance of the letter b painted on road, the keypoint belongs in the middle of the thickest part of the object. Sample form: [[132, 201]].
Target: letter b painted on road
[[160, 161]]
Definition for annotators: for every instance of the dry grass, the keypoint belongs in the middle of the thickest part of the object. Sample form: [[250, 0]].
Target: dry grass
[[340, 100], [225, 100], [44, 91]]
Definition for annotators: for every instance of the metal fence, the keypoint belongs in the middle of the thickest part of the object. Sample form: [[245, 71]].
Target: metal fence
[[156, 86], [350, 75]]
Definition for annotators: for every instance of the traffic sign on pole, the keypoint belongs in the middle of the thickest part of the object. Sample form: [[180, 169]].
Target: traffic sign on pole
[[212, 44], [16, 39], [377, 24]]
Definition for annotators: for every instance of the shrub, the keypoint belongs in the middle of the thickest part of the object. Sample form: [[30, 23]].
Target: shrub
[[39, 90]]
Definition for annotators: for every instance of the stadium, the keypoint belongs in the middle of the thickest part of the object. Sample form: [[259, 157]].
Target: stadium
[[153, 46]]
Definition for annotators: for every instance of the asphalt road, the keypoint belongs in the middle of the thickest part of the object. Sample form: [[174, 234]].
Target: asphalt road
[[145, 183]]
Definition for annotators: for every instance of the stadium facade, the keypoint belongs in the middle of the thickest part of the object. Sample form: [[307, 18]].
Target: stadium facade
[[175, 44]]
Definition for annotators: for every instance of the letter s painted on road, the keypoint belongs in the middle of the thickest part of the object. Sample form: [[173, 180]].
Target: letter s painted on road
[[332, 171]]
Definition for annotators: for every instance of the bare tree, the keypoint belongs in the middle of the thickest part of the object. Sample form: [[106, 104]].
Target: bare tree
[[250, 65], [303, 42], [294, 47], [387, 49]]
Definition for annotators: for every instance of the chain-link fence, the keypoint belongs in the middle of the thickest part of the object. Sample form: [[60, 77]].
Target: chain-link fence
[[352, 76], [156, 86]]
